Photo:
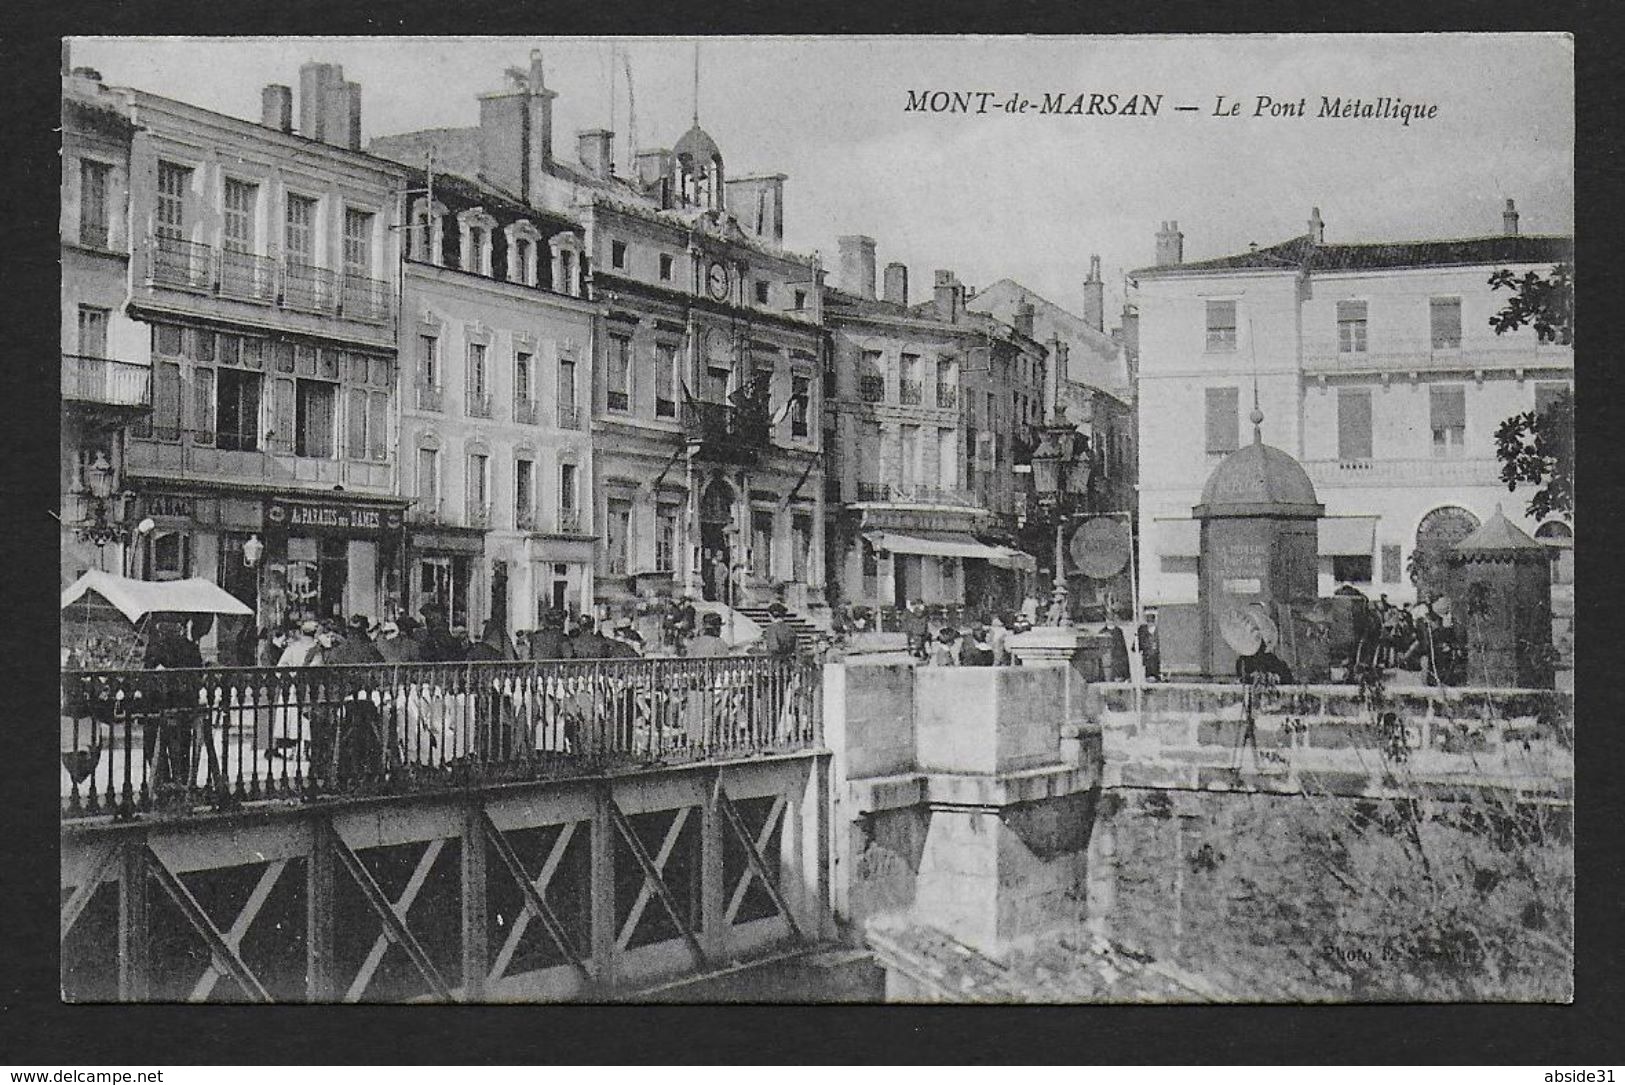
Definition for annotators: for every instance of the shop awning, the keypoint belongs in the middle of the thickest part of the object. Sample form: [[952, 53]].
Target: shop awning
[[1347, 536], [1178, 538], [942, 544], [1014, 559], [135, 599]]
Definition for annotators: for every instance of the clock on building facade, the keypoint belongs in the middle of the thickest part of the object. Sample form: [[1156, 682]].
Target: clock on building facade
[[716, 280]]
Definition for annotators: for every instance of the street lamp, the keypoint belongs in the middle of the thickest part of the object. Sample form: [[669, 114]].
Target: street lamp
[[1055, 481], [253, 550], [104, 512]]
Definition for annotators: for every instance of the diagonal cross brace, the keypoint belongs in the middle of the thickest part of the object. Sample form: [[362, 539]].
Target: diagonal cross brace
[[225, 955], [780, 805], [403, 906], [651, 876], [75, 907], [521, 922], [239, 926], [534, 900], [731, 816], [393, 923], [645, 891]]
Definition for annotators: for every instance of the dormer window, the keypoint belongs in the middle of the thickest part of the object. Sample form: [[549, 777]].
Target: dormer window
[[566, 263], [427, 240], [524, 242], [475, 249]]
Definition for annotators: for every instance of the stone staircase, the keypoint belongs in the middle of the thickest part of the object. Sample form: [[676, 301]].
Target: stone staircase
[[807, 633]]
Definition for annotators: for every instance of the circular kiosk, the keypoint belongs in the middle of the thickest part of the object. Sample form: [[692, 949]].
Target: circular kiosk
[[1259, 552]]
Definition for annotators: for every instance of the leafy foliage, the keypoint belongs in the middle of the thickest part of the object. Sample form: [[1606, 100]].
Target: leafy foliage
[[1538, 448]]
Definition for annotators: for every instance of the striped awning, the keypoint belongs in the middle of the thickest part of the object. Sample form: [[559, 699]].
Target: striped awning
[[942, 544]]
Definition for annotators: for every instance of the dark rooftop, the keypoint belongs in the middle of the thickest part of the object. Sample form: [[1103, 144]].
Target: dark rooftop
[[1301, 252]]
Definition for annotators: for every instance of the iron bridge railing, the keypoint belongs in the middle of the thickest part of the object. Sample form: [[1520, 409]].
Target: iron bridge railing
[[178, 742]]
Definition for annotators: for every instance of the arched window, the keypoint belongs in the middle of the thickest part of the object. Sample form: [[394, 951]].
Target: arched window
[[1560, 537], [1437, 535]]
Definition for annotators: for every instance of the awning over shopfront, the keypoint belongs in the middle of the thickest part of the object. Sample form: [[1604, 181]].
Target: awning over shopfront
[[947, 544], [135, 599], [1347, 536], [1180, 538], [1014, 559]]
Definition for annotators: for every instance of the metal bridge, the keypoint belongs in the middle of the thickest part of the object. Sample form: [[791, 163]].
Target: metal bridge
[[438, 832]]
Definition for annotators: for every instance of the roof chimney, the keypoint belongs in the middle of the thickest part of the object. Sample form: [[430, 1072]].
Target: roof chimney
[[948, 296], [1170, 245], [857, 265], [329, 108], [354, 132], [596, 149], [1317, 228], [276, 107], [1022, 321], [1094, 297], [897, 283], [1509, 220]]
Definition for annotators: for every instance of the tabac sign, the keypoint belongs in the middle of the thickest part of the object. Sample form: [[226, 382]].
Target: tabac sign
[[329, 518]]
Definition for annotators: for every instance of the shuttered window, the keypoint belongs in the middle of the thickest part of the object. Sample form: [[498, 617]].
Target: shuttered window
[[1353, 424], [1444, 314], [1221, 325], [1223, 419], [1447, 408], [1351, 327]]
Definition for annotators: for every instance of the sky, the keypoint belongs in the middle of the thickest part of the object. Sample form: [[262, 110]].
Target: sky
[[999, 195]]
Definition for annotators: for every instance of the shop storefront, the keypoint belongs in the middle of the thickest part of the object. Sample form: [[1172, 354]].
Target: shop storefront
[[329, 558], [446, 570]]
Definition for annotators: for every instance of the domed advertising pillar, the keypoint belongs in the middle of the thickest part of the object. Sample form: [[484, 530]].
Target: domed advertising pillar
[[1258, 556]]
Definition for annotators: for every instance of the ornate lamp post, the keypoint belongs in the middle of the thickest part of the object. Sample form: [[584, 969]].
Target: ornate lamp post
[[1056, 482], [105, 513]]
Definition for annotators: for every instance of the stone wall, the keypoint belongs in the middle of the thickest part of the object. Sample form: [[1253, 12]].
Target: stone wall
[[1325, 740]]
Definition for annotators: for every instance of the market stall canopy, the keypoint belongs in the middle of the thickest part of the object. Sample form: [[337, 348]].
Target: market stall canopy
[[949, 544], [135, 599]]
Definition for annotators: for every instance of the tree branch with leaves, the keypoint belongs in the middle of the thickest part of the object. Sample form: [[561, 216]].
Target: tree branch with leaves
[[1536, 448]]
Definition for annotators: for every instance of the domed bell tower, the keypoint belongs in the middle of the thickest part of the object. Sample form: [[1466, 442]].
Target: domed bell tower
[[1259, 550]]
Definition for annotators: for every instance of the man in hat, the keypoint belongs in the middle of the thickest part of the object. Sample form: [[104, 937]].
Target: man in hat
[[1150, 648], [438, 644], [353, 646], [587, 642], [915, 628], [974, 650], [779, 638], [942, 649], [708, 644], [393, 646], [549, 642], [301, 645]]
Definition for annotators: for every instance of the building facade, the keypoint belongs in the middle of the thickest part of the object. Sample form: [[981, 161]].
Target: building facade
[[264, 268], [928, 409], [1375, 365], [106, 370], [495, 453]]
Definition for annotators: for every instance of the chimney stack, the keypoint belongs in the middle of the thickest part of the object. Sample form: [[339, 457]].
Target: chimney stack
[[1317, 228], [858, 265], [329, 107], [1023, 319], [1094, 297], [596, 148], [276, 107], [897, 283], [948, 295], [354, 132], [1170, 245], [1509, 220]]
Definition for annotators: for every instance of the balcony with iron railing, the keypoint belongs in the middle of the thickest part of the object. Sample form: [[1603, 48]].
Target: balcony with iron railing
[[524, 518], [725, 432], [910, 393], [947, 396], [569, 416], [309, 289], [478, 513], [477, 404], [365, 298], [617, 401], [106, 382], [247, 276], [872, 389], [231, 274], [915, 494], [193, 742], [426, 510], [567, 521], [1323, 356], [429, 397], [1411, 472], [526, 412], [169, 452], [181, 265]]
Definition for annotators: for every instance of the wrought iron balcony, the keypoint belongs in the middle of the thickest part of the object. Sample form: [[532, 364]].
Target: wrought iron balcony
[[477, 404], [568, 521], [427, 510], [526, 411], [366, 299], [430, 397], [912, 494], [947, 396], [479, 514], [524, 518], [1322, 356], [569, 416], [617, 401], [309, 289], [910, 393], [167, 452], [871, 389], [247, 276], [726, 432], [106, 382], [184, 265]]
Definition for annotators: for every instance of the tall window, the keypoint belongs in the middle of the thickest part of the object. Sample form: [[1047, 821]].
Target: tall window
[[567, 385], [523, 363], [567, 488], [92, 332], [1353, 424], [908, 386], [237, 409], [479, 384], [761, 543], [173, 182], [1351, 327], [1221, 325], [479, 486], [871, 378], [1223, 419], [909, 457], [93, 211], [428, 361], [524, 493], [299, 230], [619, 375], [429, 480], [800, 400], [761, 293], [242, 199], [314, 404], [357, 242], [1391, 565], [618, 540], [665, 380], [800, 546], [368, 433], [1444, 316], [665, 267], [666, 538], [617, 254], [1447, 408]]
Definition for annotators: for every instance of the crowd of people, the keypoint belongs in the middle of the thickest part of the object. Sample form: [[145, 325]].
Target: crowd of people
[[1419, 638]]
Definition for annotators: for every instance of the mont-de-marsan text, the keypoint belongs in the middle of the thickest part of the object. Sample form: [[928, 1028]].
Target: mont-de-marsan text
[[1141, 104]]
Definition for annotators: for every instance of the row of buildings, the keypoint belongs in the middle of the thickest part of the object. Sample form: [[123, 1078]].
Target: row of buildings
[[471, 367]]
